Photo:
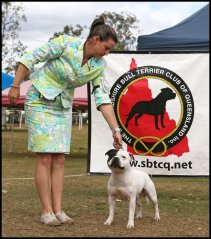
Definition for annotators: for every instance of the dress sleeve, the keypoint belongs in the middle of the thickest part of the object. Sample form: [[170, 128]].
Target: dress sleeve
[[101, 90], [51, 50]]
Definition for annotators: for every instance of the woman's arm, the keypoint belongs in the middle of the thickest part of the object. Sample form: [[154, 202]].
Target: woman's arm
[[108, 113], [48, 51], [14, 91], [51, 50]]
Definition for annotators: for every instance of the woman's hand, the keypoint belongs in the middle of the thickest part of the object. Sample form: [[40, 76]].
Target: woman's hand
[[13, 95], [117, 140]]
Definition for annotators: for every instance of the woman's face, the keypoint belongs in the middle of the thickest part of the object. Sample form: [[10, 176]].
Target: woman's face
[[102, 48]]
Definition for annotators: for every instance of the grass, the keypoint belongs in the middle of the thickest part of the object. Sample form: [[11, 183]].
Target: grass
[[183, 202]]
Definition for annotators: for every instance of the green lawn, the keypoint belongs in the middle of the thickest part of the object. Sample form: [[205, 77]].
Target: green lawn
[[183, 202]]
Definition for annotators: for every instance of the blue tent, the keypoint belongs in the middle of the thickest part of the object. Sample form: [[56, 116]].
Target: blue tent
[[6, 80], [192, 34]]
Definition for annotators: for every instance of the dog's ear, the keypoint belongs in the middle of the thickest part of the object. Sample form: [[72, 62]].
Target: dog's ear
[[131, 156], [166, 89], [111, 153]]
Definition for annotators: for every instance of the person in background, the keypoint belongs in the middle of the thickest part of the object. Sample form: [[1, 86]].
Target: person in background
[[69, 62]]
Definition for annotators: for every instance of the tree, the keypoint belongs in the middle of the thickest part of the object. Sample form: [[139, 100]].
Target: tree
[[11, 47], [71, 31], [126, 25]]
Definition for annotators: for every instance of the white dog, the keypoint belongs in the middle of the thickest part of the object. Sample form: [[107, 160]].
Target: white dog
[[128, 184]]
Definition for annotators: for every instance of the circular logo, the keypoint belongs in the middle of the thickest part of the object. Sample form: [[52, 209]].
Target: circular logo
[[154, 109]]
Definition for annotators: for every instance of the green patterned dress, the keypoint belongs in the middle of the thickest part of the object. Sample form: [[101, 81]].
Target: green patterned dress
[[48, 104]]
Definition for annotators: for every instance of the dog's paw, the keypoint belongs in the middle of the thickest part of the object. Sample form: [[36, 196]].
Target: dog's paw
[[108, 222], [156, 217], [139, 216], [130, 225]]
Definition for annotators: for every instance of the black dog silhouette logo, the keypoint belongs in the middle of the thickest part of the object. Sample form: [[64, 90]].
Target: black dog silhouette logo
[[155, 107], [147, 127]]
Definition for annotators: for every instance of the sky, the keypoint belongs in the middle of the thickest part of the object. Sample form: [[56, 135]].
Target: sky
[[45, 18]]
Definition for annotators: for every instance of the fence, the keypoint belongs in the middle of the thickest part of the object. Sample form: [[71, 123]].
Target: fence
[[15, 116]]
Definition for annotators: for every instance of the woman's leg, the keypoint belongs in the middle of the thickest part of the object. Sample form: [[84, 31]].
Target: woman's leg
[[57, 181], [43, 180]]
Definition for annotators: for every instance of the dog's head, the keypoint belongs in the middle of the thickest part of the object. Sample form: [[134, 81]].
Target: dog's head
[[167, 93], [118, 160]]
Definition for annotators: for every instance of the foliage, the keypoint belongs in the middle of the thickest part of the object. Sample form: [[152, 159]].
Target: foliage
[[125, 24], [71, 31], [12, 15]]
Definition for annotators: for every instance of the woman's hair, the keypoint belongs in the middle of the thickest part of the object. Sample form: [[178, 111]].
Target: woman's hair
[[104, 31]]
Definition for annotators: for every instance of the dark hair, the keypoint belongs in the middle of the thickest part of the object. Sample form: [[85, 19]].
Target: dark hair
[[104, 31]]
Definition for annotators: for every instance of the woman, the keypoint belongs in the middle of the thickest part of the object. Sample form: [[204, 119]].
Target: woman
[[69, 63]]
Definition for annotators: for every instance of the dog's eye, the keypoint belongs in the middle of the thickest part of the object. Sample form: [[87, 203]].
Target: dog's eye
[[124, 157]]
